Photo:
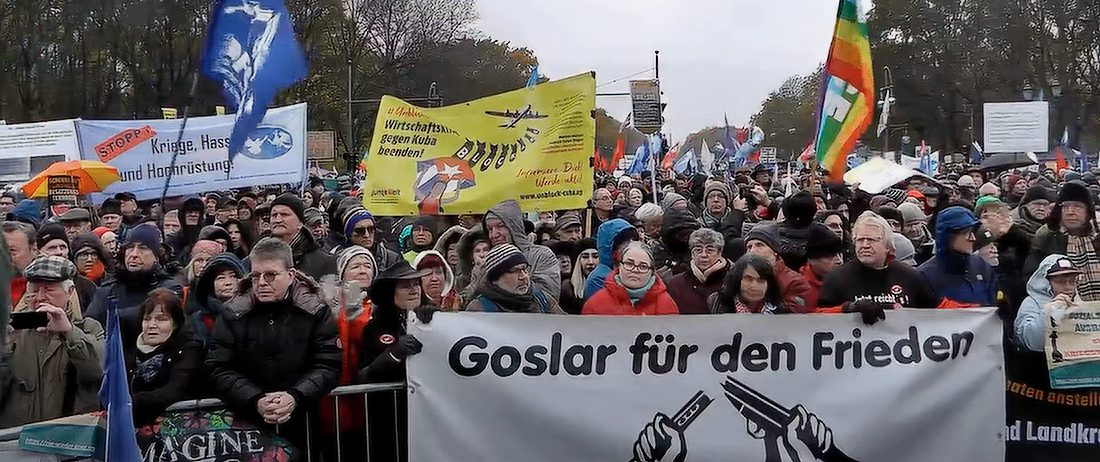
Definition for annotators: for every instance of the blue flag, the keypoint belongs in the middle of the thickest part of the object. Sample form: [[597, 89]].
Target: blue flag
[[534, 79], [976, 154], [685, 164], [114, 395], [252, 51], [641, 159]]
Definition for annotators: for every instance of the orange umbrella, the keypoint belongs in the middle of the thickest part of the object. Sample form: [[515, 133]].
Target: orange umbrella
[[94, 176]]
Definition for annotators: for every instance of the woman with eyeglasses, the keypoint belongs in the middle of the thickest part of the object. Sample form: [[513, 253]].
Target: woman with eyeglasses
[[750, 287], [633, 288], [92, 259]]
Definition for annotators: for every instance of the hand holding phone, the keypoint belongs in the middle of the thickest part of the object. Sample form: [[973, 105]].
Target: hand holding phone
[[29, 320]]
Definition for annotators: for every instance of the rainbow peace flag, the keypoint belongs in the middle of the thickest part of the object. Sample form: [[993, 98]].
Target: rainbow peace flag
[[848, 96]]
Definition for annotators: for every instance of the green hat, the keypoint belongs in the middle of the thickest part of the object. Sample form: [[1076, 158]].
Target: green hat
[[985, 202]]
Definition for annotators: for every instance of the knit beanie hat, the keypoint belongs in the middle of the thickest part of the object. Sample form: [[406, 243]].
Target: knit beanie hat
[[904, 251], [986, 202], [585, 244], [146, 234], [51, 232], [500, 259], [671, 198], [880, 200], [352, 217], [349, 253], [765, 233], [822, 242], [720, 187], [294, 203], [1035, 193], [800, 209], [896, 195], [313, 216], [890, 212], [207, 247], [567, 220], [110, 207], [100, 231], [911, 213]]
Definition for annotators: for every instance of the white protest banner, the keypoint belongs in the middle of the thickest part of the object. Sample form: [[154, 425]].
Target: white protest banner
[[923, 385], [1073, 347], [878, 174], [1016, 127], [142, 151], [20, 142]]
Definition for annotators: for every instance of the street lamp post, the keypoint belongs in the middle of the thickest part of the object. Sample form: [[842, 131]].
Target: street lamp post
[[885, 99]]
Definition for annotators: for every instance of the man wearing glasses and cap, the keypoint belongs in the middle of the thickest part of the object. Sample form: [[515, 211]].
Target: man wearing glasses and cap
[[57, 367], [1050, 292]]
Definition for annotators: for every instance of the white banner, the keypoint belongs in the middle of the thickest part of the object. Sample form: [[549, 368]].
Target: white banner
[[1016, 127], [923, 385], [142, 151], [20, 142]]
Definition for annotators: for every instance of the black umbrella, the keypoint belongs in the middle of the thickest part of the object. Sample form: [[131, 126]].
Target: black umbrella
[[1007, 160]]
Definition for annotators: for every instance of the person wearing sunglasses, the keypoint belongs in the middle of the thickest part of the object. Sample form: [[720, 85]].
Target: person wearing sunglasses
[[633, 288], [358, 227], [276, 351]]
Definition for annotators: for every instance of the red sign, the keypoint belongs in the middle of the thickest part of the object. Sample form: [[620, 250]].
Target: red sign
[[124, 141]]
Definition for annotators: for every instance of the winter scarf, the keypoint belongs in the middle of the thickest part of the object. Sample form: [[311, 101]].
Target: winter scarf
[[1024, 220], [507, 301], [577, 279], [148, 361], [742, 308], [96, 273], [636, 295], [1082, 253], [702, 275], [711, 221]]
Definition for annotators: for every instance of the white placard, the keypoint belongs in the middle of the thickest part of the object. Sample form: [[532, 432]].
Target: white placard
[[923, 385], [1016, 127], [142, 151]]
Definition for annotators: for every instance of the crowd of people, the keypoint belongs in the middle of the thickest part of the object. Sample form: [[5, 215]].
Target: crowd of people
[[269, 299]]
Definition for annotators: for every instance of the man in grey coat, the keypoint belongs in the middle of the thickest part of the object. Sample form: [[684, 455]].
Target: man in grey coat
[[504, 225]]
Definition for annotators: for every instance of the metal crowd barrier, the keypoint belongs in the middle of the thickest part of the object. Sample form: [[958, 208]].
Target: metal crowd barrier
[[12, 434]]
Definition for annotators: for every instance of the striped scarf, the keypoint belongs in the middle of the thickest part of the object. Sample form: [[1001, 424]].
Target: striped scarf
[[1082, 253]]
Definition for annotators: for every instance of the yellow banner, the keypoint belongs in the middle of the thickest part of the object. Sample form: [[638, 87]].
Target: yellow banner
[[219, 110], [533, 145], [168, 112]]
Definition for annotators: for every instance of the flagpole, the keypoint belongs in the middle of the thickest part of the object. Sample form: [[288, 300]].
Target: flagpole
[[179, 139], [653, 173]]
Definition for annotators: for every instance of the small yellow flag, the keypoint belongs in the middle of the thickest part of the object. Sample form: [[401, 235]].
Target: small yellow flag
[[219, 110], [168, 112]]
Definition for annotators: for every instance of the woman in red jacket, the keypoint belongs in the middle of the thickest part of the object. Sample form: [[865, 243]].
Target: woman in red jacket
[[633, 288]]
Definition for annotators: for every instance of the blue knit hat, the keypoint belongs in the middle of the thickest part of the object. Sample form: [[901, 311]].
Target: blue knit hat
[[353, 217], [146, 234]]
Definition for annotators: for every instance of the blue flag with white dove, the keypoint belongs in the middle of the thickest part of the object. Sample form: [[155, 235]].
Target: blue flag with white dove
[[251, 50]]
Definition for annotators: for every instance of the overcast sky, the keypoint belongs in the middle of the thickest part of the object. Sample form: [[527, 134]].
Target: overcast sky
[[716, 55]]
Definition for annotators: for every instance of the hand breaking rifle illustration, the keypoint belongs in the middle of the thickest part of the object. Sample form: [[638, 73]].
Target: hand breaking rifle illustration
[[790, 435]]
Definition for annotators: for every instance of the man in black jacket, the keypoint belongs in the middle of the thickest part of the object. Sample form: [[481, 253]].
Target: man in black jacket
[[275, 351], [288, 212]]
